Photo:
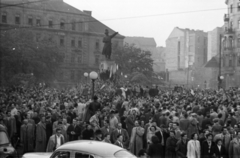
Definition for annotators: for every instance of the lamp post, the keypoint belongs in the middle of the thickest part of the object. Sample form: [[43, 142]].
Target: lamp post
[[93, 76], [220, 81], [86, 76]]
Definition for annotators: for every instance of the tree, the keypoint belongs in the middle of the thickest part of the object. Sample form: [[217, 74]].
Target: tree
[[131, 59], [21, 54]]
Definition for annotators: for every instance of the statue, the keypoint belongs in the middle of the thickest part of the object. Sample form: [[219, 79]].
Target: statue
[[107, 49]]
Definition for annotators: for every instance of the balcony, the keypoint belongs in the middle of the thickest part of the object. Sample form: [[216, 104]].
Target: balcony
[[226, 18]]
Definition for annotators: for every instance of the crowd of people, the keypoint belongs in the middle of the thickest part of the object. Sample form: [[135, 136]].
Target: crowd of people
[[148, 121]]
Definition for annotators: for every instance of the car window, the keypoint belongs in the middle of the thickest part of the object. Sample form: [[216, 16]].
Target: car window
[[3, 138], [82, 155], [61, 154], [124, 154]]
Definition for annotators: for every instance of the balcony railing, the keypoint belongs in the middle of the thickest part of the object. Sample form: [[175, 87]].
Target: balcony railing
[[226, 17]]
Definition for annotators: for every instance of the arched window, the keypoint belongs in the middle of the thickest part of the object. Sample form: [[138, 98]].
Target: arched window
[[4, 17], [17, 19]]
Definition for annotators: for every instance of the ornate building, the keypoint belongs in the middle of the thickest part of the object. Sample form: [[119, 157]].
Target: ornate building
[[77, 33], [230, 63]]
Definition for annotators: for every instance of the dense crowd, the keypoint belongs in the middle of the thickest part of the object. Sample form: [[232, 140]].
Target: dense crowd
[[148, 121]]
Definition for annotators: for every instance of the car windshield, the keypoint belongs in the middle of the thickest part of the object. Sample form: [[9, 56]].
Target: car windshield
[[3, 138], [124, 154]]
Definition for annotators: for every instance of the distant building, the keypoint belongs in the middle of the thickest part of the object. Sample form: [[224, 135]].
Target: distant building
[[214, 42], [149, 44], [186, 51], [77, 33], [230, 60]]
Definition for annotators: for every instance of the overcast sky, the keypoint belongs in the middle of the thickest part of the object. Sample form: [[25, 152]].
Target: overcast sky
[[145, 17]]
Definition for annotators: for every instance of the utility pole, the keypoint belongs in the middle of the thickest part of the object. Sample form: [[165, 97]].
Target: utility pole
[[220, 63]]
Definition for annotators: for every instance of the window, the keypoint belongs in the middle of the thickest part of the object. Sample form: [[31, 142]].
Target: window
[[73, 42], [97, 60], [238, 6], [38, 37], [17, 19], [97, 45], [230, 61], [62, 41], [50, 23], [73, 59], [59, 154], [80, 26], [231, 8], [4, 18], [190, 48], [79, 74], [238, 60], [224, 61], [30, 20], [74, 26], [79, 43], [231, 24], [238, 42], [62, 25], [72, 75], [38, 22], [82, 155], [79, 59]]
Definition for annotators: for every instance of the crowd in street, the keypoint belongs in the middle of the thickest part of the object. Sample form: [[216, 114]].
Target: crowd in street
[[147, 121]]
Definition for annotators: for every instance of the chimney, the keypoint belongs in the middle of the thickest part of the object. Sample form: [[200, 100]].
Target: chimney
[[88, 12]]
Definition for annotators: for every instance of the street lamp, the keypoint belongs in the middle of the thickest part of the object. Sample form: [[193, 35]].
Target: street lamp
[[93, 76], [85, 75]]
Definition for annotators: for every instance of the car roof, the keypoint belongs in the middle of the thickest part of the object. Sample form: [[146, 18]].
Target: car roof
[[92, 147]]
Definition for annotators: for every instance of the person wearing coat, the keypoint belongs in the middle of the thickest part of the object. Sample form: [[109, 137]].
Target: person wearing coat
[[123, 132], [136, 140], [155, 149], [193, 147], [55, 141], [27, 136], [220, 150], [129, 123], [207, 149], [171, 146], [234, 148], [41, 137], [119, 141], [74, 131], [181, 149], [10, 123]]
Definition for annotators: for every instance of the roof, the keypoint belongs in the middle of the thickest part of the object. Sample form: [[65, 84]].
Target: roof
[[95, 147], [95, 26], [213, 63], [141, 41]]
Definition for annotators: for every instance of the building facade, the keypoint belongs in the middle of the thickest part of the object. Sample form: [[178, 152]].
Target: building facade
[[186, 51], [149, 44], [76, 32], [230, 60], [214, 42]]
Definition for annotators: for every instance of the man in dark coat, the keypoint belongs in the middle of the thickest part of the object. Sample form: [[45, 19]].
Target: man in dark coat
[[120, 131], [94, 106], [41, 137], [207, 150], [74, 131], [27, 136]]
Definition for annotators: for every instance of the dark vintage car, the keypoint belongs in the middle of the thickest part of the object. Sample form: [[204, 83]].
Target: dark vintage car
[[6, 148]]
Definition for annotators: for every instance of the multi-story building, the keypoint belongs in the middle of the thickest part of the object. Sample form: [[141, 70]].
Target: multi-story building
[[77, 33], [214, 42], [186, 50], [149, 44], [230, 58]]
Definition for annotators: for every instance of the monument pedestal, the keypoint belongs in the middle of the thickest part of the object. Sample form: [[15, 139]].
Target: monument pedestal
[[107, 69]]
